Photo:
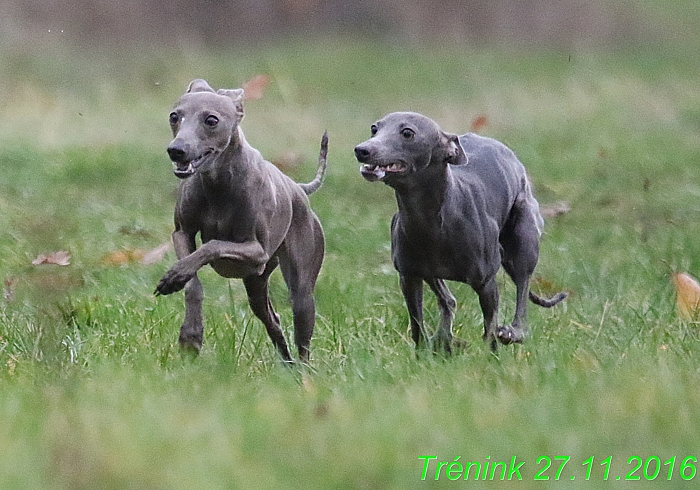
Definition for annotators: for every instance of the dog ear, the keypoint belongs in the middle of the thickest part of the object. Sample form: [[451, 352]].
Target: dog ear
[[454, 152], [236, 95], [199, 85]]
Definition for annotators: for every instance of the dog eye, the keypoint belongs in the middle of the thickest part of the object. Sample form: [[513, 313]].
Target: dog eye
[[211, 121], [373, 129], [407, 133], [173, 118]]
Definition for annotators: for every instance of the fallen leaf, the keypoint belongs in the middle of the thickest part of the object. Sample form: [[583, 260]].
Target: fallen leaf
[[479, 122], [56, 258], [687, 296], [123, 256], [555, 209], [155, 255], [254, 88]]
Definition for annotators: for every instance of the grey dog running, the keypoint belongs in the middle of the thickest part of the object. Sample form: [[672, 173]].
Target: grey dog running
[[465, 208], [249, 215]]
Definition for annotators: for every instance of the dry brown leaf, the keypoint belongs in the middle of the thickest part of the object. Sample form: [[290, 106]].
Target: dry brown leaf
[[123, 256], [254, 88], [479, 122], [687, 296], [155, 255], [57, 258]]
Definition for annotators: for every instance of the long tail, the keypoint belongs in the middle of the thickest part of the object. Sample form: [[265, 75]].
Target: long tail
[[548, 303], [314, 185]]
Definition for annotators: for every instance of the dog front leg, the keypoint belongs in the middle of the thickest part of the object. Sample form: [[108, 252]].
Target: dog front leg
[[192, 329], [447, 304], [488, 299], [412, 288], [250, 255]]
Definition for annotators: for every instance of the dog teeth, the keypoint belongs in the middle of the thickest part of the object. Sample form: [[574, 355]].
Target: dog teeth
[[393, 167]]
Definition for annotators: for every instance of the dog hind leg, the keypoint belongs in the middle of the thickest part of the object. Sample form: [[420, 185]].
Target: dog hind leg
[[301, 257], [258, 297], [520, 242]]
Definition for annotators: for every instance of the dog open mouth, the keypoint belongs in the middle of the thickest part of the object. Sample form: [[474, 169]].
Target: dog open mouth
[[373, 172], [188, 168]]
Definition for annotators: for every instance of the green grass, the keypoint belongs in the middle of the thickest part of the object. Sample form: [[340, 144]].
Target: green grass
[[93, 391]]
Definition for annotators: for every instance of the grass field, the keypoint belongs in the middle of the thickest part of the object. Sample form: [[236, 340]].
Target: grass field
[[93, 391]]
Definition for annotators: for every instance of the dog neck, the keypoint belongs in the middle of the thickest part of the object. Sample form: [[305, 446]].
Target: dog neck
[[420, 198], [232, 166]]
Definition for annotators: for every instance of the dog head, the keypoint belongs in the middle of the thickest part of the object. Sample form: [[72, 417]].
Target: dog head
[[403, 144], [203, 122]]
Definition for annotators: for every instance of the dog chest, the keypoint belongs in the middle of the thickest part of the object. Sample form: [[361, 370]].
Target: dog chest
[[454, 253]]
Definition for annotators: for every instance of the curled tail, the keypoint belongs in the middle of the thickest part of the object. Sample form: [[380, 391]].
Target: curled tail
[[548, 303], [314, 185]]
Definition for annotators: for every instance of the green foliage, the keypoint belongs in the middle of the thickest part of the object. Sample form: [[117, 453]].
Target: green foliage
[[94, 393]]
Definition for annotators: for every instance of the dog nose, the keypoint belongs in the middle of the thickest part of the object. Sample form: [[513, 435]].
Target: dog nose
[[361, 153], [176, 152]]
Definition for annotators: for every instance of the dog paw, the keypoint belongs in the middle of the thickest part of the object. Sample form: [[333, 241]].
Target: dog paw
[[190, 345], [190, 348], [172, 281], [509, 335]]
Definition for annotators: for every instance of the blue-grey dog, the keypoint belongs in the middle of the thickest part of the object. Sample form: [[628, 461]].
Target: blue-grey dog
[[249, 215], [465, 207]]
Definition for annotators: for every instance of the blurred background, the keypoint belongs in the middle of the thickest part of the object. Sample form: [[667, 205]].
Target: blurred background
[[90, 71], [213, 23]]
